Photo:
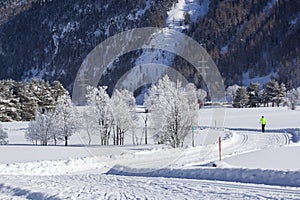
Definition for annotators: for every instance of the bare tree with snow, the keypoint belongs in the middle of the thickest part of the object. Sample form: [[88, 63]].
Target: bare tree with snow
[[65, 118], [100, 103], [40, 129], [173, 107], [123, 105]]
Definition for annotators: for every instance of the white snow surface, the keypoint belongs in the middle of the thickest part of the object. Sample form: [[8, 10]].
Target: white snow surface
[[254, 165]]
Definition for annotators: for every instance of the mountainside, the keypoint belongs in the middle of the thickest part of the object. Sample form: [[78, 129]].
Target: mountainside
[[49, 39]]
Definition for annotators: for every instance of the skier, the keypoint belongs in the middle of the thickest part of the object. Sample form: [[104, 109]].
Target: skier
[[263, 123]]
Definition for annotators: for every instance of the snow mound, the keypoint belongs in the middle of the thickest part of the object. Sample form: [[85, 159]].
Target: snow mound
[[256, 176], [48, 168]]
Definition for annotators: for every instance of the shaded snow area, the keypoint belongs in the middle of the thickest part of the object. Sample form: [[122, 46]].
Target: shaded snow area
[[254, 165], [195, 8]]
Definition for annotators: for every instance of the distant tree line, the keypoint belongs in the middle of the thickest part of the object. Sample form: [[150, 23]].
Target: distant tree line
[[19, 101], [272, 93]]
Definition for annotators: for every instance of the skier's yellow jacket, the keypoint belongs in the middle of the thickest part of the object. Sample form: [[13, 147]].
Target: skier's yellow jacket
[[263, 120]]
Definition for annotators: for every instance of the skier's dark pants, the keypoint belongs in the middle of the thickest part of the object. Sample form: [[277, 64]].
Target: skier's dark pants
[[263, 128]]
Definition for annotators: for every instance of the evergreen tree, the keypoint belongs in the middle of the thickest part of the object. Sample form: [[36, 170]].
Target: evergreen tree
[[253, 90], [21, 100], [9, 102], [273, 92], [57, 90], [28, 103], [241, 99]]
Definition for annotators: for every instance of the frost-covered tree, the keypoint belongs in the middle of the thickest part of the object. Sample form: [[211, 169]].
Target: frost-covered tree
[[173, 110], [49, 125], [65, 118], [3, 136], [292, 97], [201, 95], [241, 99], [100, 102], [40, 130], [123, 106], [231, 92], [253, 90]]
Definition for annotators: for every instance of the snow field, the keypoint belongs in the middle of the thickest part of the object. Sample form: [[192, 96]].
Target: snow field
[[136, 171]]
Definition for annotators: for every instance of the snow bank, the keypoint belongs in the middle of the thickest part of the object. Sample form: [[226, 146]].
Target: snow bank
[[49, 168], [256, 176]]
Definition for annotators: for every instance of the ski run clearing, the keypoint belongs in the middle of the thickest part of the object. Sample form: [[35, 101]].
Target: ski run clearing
[[254, 165]]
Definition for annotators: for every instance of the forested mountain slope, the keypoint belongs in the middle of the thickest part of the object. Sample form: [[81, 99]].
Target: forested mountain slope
[[50, 39]]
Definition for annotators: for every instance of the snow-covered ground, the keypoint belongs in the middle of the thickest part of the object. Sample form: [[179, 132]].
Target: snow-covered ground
[[255, 165]]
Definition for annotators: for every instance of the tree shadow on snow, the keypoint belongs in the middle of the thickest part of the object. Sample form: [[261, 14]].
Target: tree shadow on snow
[[18, 192]]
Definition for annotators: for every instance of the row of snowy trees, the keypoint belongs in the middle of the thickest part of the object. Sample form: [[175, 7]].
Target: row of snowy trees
[[53, 124], [112, 117], [172, 112], [19, 101], [252, 96]]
